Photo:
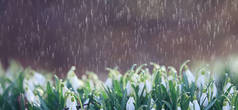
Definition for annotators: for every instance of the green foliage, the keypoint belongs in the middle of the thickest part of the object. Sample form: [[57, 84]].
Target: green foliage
[[140, 88]]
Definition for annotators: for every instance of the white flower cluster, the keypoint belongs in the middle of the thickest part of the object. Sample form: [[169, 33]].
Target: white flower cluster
[[137, 88]]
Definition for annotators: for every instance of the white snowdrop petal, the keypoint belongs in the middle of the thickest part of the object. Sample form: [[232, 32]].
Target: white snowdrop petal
[[170, 78], [31, 97], [190, 76], [163, 82], [39, 79], [135, 78], [128, 88], [71, 102], [1, 90], [214, 90], [108, 83], [204, 99], [227, 87], [201, 81], [148, 86], [226, 106], [76, 83], [130, 104], [191, 106], [65, 89], [196, 105]]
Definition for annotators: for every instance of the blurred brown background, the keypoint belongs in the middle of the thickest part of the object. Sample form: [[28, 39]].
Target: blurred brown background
[[95, 34]]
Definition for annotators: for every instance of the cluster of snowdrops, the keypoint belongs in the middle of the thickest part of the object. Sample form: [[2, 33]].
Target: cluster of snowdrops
[[144, 87]]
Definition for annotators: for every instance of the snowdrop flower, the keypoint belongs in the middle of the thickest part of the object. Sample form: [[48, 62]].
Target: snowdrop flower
[[190, 76], [86, 102], [141, 87], [148, 86], [163, 69], [108, 83], [1, 89], [204, 100], [163, 82], [214, 90], [118, 76], [73, 79], [170, 78], [226, 106], [114, 74], [191, 106], [180, 87], [64, 90], [10, 74], [227, 87], [30, 96], [128, 89], [152, 101], [194, 105], [130, 104], [76, 83], [71, 102], [201, 81], [35, 80], [178, 108], [91, 84], [28, 84], [39, 79], [135, 78]]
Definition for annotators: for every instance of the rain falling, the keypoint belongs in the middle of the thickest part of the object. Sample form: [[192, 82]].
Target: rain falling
[[95, 34], [118, 54]]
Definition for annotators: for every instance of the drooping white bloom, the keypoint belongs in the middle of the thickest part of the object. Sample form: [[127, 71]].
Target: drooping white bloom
[[130, 104], [152, 101], [148, 86], [191, 106], [201, 81], [163, 82], [128, 89], [118, 76], [141, 87], [1, 89], [73, 79], [86, 101], [214, 90], [170, 78], [226, 106], [76, 83], [108, 83], [71, 102], [36, 80], [180, 87], [135, 78], [91, 84], [32, 98], [64, 90], [190, 76], [196, 105], [204, 100], [227, 87], [39, 79], [163, 69], [178, 108]]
